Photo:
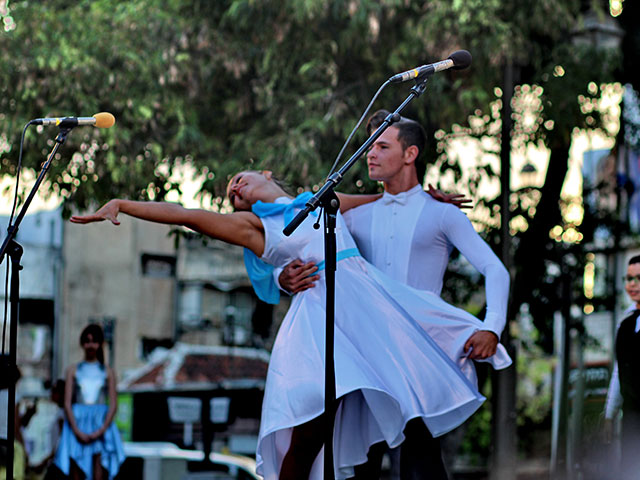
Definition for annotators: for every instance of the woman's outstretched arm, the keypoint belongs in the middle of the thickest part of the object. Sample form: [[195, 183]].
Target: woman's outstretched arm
[[239, 228]]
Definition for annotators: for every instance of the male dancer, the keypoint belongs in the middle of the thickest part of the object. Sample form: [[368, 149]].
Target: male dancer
[[409, 235]]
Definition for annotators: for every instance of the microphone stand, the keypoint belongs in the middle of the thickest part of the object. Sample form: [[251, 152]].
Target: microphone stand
[[14, 251], [328, 201]]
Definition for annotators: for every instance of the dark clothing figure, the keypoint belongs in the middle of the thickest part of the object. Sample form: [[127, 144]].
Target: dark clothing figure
[[627, 348]]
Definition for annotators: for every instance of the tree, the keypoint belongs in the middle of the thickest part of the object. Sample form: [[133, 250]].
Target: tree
[[217, 85]]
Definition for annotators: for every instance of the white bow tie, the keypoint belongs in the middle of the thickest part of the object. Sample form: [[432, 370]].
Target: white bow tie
[[400, 198]]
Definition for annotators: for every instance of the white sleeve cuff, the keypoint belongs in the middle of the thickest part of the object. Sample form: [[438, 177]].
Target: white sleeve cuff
[[276, 275], [494, 322]]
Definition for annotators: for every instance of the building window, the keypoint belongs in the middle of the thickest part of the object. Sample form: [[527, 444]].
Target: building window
[[205, 308], [148, 345], [158, 266], [237, 328]]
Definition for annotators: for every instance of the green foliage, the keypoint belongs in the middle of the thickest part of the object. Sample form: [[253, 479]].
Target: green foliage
[[232, 84], [535, 370], [475, 448]]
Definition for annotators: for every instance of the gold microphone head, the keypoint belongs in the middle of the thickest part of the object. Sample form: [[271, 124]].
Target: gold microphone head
[[104, 120]]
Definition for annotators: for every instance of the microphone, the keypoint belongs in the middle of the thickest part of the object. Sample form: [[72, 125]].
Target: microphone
[[99, 120], [457, 60]]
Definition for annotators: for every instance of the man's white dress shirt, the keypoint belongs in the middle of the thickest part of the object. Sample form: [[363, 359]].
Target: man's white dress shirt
[[410, 237]]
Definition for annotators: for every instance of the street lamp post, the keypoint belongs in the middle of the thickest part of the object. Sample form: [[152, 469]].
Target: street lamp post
[[504, 405]]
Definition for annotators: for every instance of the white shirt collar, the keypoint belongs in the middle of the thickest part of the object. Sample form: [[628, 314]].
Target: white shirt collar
[[402, 197]]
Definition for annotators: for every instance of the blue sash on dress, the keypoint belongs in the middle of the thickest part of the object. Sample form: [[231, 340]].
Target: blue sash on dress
[[341, 255], [261, 273]]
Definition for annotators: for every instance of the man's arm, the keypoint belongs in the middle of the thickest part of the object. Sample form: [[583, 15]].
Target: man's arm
[[296, 277], [462, 235], [349, 201]]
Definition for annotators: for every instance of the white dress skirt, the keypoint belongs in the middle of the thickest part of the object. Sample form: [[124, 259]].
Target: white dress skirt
[[398, 356]]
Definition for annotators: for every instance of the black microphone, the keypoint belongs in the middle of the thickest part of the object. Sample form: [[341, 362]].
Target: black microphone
[[457, 60], [99, 120]]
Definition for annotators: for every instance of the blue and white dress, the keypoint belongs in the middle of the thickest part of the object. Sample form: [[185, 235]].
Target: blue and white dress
[[89, 406], [398, 354]]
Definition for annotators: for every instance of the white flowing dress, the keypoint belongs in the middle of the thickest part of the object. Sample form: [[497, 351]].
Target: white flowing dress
[[398, 356]]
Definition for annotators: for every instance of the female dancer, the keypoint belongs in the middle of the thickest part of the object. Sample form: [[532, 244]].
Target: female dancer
[[389, 370], [90, 445]]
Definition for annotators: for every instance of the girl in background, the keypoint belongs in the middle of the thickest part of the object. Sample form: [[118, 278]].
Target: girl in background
[[90, 445]]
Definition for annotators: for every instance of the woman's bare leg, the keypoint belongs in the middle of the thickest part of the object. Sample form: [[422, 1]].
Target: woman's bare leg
[[74, 471], [99, 472], [306, 443]]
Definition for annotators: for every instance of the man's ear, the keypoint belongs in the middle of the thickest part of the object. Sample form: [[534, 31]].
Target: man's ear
[[268, 174], [410, 154]]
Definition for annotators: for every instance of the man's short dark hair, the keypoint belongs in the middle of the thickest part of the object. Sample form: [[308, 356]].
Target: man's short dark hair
[[410, 133], [633, 260]]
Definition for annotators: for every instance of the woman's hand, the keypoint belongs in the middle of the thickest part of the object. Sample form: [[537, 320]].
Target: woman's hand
[[108, 212], [483, 344], [298, 276], [456, 199], [96, 435], [83, 437]]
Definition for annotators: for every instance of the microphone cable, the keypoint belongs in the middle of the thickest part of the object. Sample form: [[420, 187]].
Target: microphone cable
[[13, 211], [460, 59], [366, 111], [102, 120]]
